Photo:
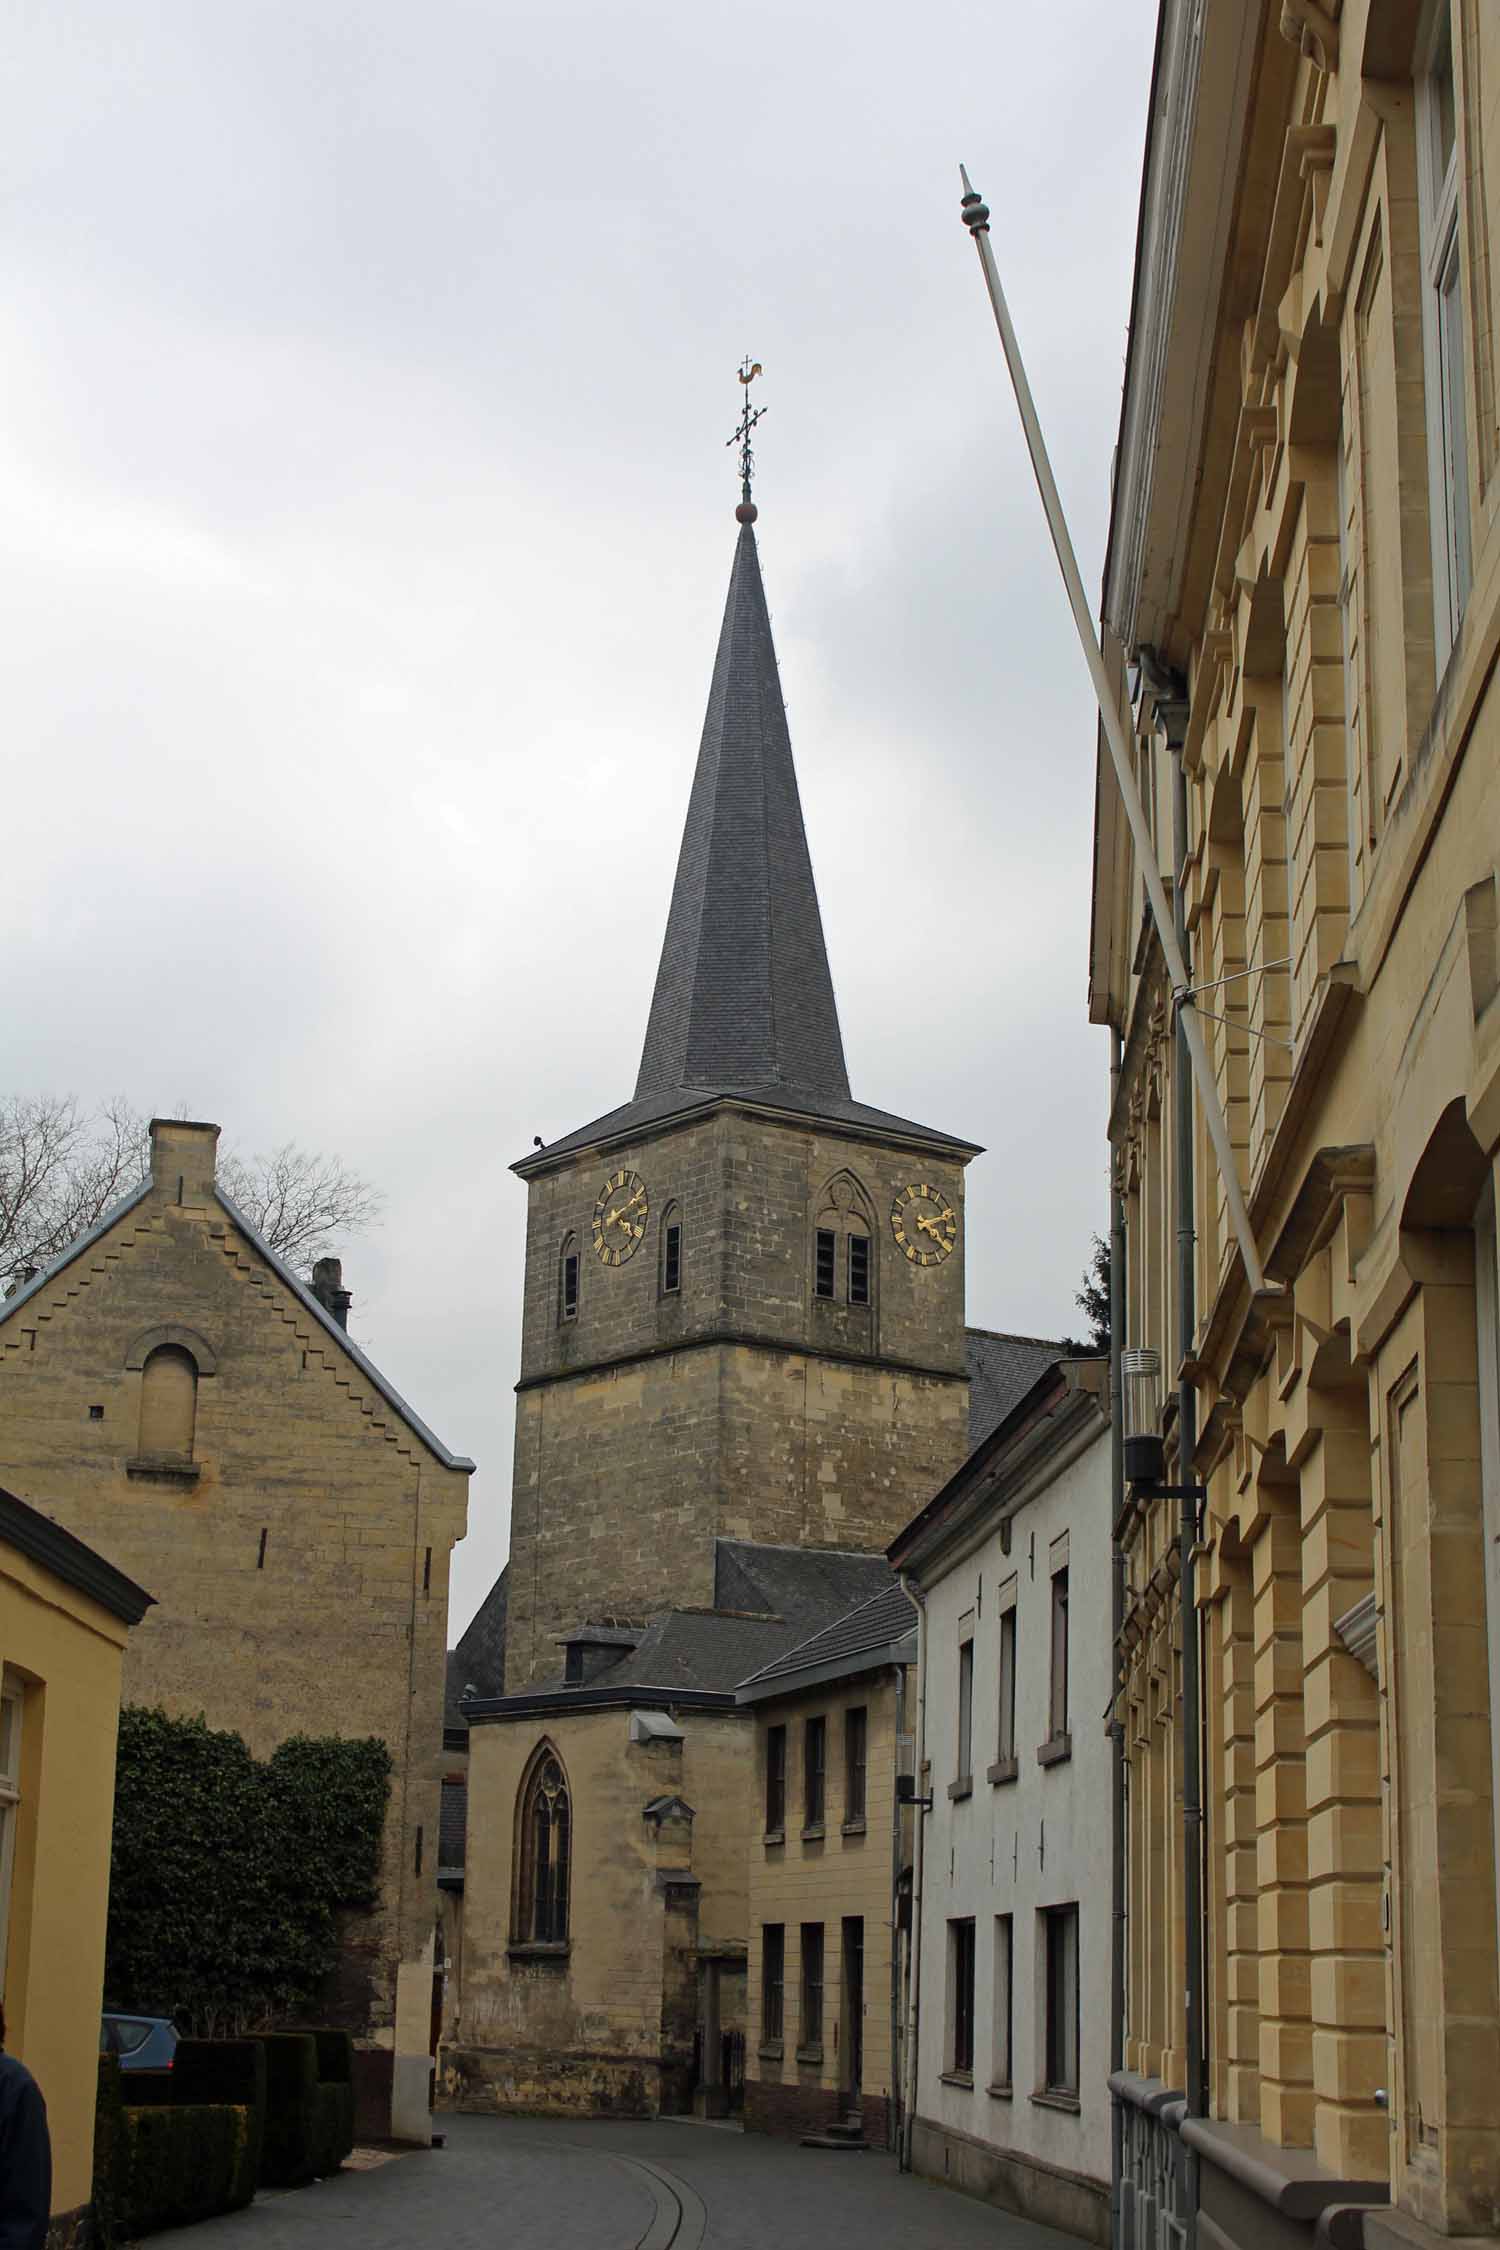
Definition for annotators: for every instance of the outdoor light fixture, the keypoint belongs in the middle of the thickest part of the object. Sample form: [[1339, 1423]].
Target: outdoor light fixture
[[1145, 1451]]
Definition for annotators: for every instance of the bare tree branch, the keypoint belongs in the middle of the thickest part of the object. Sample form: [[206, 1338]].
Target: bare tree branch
[[61, 1168]]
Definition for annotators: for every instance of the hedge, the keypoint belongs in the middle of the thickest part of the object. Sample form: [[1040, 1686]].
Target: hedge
[[179, 2164], [291, 2144], [228, 1875], [227, 2070], [335, 2114]]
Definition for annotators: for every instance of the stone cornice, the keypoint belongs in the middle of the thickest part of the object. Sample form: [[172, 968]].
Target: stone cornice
[[715, 1338]]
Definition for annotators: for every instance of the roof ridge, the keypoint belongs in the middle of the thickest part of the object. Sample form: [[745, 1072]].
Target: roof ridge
[[1014, 1336]]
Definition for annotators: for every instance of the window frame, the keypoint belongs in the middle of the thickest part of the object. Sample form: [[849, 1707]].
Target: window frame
[[959, 2030], [569, 1270], [1444, 358], [810, 2005], [856, 1753], [12, 1753], [1009, 1651], [860, 1292], [965, 1768], [1003, 1992], [671, 1251], [772, 1983], [539, 1925], [1058, 1669], [775, 1798], [826, 1265], [1061, 2024], [814, 1775]]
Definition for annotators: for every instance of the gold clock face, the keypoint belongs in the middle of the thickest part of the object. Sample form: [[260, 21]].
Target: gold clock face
[[924, 1223], [620, 1217]]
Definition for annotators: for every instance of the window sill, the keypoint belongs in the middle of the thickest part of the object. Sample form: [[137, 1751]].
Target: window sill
[[853, 1827], [957, 2078], [1000, 2093], [812, 2054], [774, 1836], [1003, 1770], [551, 1949], [171, 1468], [1055, 1752], [770, 2050], [814, 1832], [1053, 2097], [963, 1787]]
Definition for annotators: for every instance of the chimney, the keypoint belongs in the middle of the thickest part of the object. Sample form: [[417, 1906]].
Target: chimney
[[183, 1156], [328, 1288]]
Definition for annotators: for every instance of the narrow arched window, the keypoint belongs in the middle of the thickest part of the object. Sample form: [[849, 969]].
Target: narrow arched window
[[169, 1403], [844, 1243], [545, 1839], [671, 1250], [567, 1280]]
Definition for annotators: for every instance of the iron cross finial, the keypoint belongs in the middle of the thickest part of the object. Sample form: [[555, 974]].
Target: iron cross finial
[[749, 369]]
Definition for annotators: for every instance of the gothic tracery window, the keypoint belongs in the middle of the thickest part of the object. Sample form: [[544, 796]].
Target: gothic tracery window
[[546, 1825]]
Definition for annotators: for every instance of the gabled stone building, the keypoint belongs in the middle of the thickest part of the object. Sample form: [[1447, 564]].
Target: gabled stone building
[[173, 1395], [744, 1366]]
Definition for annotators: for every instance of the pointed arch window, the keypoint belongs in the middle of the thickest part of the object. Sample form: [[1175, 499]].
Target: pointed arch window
[[844, 1244], [546, 1840], [567, 1279]]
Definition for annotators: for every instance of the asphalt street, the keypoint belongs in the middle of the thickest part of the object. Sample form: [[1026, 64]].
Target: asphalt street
[[539, 2184]]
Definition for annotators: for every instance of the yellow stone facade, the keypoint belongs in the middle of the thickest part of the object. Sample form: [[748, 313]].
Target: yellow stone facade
[[1316, 554], [848, 1873], [292, 1519], [64, 1621]]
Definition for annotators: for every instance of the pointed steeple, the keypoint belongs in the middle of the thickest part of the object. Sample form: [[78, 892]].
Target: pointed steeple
[[744, 998]]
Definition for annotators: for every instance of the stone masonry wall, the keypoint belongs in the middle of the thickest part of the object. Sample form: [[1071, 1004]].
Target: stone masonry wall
[[300, 1565]]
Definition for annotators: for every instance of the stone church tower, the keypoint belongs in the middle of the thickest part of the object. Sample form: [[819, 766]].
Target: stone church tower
[[744, 1307], [744, 1368]]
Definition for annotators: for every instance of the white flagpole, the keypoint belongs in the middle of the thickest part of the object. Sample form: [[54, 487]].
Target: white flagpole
[[977, 220]]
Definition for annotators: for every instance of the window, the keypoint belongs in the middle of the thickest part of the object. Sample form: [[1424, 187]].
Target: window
[[859, 1269], [775, 1780], [546, 1832], [772, 1978], [961, 1998], [827, 1262], [1006, 1747], [568, 1308], [1000, 2062], [810, 2028], [1058, 1710], [814, 1738], [854, 1765], [1061, 1941], [169, 1404], [11, 1709], [671, 1257], [965, 1709], [1442, 326]]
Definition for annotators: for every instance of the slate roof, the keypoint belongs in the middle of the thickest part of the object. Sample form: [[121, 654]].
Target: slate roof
[[789, 1592], [743, 1006], [846, 1645], [478, 1656], [1002, 1369]]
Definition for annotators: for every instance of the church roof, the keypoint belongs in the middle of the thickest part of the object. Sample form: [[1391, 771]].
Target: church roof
[[1002, 1369], [743, 1007], [881, 1631]]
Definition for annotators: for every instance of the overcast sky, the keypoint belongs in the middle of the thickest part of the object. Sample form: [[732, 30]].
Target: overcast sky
[[365, 522]]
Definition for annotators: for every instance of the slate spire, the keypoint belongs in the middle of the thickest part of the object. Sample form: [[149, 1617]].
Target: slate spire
[[743, 995]]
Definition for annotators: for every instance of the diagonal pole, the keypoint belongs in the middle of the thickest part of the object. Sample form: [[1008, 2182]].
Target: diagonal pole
[[977, 220]]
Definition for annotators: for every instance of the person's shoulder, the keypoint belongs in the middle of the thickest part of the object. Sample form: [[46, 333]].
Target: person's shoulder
[[15, 2079]]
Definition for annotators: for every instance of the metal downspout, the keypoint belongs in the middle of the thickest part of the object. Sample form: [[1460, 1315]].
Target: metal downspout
[[1116, 1723], [1194, 1947], [914, 2005], [899, 1683]]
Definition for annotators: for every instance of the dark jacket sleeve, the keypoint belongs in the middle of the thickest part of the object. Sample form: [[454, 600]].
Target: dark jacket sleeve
[[25, 2161]]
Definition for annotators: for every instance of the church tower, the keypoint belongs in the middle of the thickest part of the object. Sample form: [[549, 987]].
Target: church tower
[[744, 1297]]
